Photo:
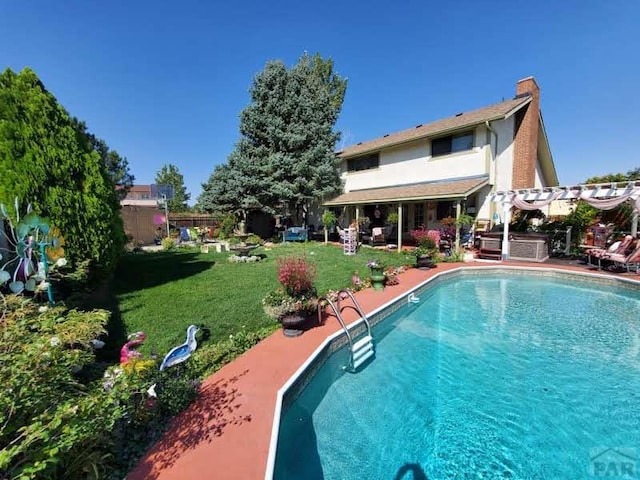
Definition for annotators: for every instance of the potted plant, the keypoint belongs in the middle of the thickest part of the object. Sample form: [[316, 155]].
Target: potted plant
[[328, 219], [427, 242], [377, 274], [295, 302]]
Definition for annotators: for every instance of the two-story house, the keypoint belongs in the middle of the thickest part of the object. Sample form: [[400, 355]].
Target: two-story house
[[440, 169]]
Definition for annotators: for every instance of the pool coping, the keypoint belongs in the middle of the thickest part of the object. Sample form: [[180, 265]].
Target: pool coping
[[227, 432]]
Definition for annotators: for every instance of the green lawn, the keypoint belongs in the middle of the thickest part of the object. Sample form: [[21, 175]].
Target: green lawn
[[163, 293]]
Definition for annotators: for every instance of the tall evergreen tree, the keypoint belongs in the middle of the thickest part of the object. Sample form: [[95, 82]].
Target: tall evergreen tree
[[170, 175], [46, 161], [285, 155]]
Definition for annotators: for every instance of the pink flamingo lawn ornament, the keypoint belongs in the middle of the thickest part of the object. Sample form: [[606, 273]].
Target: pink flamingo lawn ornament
[[180, 353], [127, 352]]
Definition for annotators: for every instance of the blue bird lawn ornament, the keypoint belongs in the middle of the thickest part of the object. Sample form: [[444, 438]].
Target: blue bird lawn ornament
[[180, 353]]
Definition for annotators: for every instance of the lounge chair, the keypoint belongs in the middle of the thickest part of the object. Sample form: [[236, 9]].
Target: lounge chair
[[620, 247], [628, 260]]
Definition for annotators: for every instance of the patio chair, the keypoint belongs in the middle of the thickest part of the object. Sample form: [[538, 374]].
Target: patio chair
[[377, 237], [626, 260], [619, 247]]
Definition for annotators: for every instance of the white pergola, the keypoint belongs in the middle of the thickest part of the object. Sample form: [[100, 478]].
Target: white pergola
[[603, 196]]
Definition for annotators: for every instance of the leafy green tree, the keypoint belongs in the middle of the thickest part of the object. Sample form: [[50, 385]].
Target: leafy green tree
[[620, 216], [610, 177], [616, 177], [170, 175], [45, 160], [285, 157]]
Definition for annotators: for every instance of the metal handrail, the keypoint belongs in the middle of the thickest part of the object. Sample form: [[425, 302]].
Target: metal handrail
[[338, 313], [357, 307]]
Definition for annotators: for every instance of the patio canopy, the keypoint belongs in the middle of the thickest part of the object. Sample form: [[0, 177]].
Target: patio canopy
[[442, 189], [604, 196]]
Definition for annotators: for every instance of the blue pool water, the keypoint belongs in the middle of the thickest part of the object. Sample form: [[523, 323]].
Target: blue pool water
[[511, 377]]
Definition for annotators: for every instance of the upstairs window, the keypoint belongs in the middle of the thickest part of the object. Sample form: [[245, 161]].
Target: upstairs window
[[452, 143], [366, 162]]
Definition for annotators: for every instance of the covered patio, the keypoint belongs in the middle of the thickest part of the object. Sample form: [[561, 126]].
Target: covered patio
[[416, 204]]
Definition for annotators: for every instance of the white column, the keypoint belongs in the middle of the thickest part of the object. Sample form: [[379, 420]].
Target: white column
[[506, 218], [400, 227], [634, 224], [458, 211]]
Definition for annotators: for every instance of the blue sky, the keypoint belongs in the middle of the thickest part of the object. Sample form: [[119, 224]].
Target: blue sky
[[164, 82]]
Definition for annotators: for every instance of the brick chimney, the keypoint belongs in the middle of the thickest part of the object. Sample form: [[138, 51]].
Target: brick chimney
[[525, 149]]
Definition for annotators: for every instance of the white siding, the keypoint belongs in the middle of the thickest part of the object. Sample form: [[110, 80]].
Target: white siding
[[538, 181], [504, 166], [412, 163]]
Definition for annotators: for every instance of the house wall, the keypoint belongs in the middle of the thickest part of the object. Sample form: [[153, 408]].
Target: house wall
[[538, 181], [561, 208], [412, 163], [504, 161], [483, 211]]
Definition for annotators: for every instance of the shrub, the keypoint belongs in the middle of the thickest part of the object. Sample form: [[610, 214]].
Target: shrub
[[61, 418], [253, 239], [227, 225], [46, 157], [48, 411], [168, 244]]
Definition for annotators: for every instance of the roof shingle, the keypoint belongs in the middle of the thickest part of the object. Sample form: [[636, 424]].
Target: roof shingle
[[492, 112], [419, 191]]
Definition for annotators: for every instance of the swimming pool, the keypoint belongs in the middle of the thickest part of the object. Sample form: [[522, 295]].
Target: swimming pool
[[490, 376]]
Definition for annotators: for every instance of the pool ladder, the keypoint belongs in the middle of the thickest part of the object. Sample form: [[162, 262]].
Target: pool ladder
[[363, 349]]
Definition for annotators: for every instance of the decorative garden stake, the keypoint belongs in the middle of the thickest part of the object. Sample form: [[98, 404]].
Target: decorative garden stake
[[180, 353], [27, 244]]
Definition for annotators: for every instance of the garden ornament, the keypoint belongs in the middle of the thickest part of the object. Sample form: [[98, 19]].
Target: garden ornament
[[180, 353], [27, 239], [127, 352]]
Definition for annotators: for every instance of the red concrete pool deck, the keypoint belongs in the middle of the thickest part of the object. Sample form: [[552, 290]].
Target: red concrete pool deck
[[226, 432]]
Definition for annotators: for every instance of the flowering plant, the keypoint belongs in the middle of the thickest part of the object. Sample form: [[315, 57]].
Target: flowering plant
[[277, 304], [296, 275], [297, 295], [375, 264], [427, 241]]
